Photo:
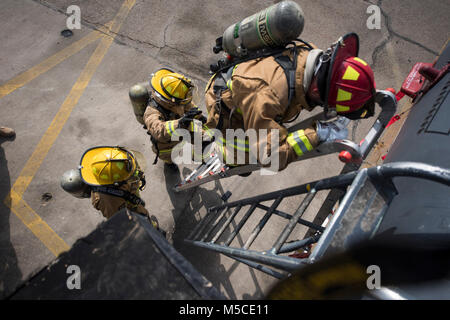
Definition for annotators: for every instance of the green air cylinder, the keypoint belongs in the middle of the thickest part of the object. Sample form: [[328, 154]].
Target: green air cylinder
[[139, 100], [274, 26]]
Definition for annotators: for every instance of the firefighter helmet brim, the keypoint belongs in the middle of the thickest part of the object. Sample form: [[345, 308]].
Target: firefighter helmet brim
[[350, 83], [346, 47], [171, 86], [100, 166]]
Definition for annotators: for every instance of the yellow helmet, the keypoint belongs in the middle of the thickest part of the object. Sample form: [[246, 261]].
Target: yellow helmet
[[172, 87], [101, 166]]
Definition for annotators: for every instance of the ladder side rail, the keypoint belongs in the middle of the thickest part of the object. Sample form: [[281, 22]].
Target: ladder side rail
[[287, 264], [328, 183]]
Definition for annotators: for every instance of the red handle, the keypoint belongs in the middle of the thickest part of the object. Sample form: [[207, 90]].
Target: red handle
[[345, 156]]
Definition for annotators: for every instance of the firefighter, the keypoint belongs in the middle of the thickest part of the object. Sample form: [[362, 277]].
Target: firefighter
[[112, 177], [168, 107], [267, 92]]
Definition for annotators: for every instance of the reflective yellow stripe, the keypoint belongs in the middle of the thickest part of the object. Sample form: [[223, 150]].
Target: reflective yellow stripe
[[170, 127], [293, 144], [350, 74], [340, 108], [230, 84], [299, 142], [305, 139], [360, 61], [195, 127], [169, 131], [207, 131], [238, 144], [209, 82], [170, 150], [222, 149], [343, 95], [234, 68]]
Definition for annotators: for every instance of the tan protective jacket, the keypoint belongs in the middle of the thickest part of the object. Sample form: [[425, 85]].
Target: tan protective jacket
[[259, 93], [162, 127], [109, 204]]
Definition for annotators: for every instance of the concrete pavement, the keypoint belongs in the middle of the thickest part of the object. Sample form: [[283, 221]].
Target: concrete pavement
[[180, 35]]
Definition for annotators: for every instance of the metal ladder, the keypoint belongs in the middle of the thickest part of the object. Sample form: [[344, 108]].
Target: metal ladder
[[208, 232], [368, 195], [214, 169]]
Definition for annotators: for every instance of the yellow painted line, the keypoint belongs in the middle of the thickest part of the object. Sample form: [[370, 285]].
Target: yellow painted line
[[14, 199], [35, 223], [25, 77], [34, 72], [69, 103]]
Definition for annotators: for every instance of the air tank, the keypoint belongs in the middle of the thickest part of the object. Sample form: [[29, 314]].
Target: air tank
[[72, 183], [139, 97], [274, 26]]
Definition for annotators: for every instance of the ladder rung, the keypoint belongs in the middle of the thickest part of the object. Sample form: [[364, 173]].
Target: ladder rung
[[288, 216], [241, 224], [293, 221], [226, 224], [201, 225], [262, 223], [214, 225]]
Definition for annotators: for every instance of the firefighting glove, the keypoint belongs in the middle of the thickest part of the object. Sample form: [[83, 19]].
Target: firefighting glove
[[188, 117], [329, 131], [202, 118], [199, 115]]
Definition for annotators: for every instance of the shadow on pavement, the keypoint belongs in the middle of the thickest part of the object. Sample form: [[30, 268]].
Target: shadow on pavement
[[187, 204], [10, 274]]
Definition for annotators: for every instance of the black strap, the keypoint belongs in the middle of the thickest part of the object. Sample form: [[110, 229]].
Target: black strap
[[220, 85], [166, 113], [218, 106], [293, 119], [128, 196], [155, 144], [289, 67]]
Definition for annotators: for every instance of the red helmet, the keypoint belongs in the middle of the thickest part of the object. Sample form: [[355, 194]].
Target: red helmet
[[350, 89]]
